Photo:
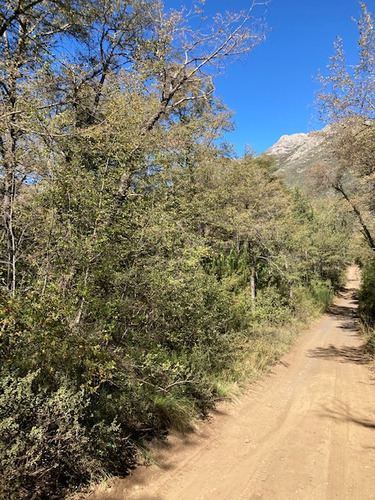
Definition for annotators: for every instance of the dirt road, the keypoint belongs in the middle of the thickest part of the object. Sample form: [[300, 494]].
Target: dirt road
[[306, 431]]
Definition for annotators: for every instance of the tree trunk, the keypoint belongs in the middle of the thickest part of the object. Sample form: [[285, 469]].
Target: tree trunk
[[365, 230], [253, 290]]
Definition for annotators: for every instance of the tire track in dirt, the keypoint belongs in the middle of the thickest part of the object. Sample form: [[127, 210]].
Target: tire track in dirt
[[306, 431]]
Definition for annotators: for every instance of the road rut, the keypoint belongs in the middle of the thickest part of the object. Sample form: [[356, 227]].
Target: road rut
[[306, 431]]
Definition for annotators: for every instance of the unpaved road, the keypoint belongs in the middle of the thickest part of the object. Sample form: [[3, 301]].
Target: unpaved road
[[306, 431]]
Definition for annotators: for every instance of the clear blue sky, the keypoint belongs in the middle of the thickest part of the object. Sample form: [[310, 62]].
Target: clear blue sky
[[272, 93]]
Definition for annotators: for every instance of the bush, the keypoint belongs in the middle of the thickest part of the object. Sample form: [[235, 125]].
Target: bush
[[322, 293], [43, 445], [271, 307], [49, 442], [366, 304], [366, 295]]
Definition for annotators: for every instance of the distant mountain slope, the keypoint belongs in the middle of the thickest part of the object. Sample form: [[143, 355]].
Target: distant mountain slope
[[296, 154]]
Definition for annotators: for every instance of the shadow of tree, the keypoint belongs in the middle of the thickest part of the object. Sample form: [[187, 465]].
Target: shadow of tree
[[343, 354], [348, 317], [343, 312], [119, 494], [343, 413]]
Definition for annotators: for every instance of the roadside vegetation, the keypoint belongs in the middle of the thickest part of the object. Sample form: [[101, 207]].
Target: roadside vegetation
[[347, 98], [145, 268], [366, 298]]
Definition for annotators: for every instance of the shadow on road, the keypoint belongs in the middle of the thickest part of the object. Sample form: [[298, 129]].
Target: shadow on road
[[343, 354], [347, 312], [348, 321], [343, 413], [118, 494]]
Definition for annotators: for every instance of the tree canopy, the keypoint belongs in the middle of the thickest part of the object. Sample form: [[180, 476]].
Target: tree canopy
[[346, 99]]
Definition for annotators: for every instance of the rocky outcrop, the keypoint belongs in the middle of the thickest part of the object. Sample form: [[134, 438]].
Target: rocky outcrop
[[295, 155]]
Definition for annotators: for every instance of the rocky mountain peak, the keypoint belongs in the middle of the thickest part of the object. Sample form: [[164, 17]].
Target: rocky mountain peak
[[296, 154]]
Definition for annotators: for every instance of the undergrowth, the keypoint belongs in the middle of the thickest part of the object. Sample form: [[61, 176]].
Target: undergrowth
[[366, 306], [58, 430]]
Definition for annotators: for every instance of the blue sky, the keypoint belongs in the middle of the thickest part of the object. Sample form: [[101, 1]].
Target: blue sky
[[272, 92]]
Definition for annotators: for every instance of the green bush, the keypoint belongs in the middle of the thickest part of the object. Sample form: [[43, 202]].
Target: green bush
[[271, 307], [74, 401], [366, 295], [322, 293], [49, 440], [366, 304], [43, 445]]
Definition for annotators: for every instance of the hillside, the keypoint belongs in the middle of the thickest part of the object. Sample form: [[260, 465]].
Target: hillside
[[296, 154]]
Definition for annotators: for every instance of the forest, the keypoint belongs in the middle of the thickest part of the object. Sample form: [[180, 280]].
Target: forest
[[147, 269]]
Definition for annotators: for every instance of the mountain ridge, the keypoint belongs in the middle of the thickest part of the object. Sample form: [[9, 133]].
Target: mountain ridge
[[296, 154]]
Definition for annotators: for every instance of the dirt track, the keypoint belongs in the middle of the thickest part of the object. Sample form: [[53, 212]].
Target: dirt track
[[306, 431]]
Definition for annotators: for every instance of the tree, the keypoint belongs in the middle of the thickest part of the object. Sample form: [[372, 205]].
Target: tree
[[54, 100], [183, 60], [28, 31], [347, 99]]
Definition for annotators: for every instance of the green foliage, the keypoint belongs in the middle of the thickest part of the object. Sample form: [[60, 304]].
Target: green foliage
[[323, 294], [366, 304], [43, 444], [346, 100], [143, 322], [366, 295], [147, 274], [271, 308]]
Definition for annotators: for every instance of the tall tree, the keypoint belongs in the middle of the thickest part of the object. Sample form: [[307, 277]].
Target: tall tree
[[62, 65], [347, 99], [29, 31]]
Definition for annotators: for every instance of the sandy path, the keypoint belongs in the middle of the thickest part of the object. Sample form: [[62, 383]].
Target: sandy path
[[305, 431]]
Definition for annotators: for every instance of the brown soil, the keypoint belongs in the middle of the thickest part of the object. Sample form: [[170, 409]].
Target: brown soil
[[306, 431]]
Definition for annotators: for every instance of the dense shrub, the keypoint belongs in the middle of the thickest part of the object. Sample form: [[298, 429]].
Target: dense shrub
[[322, 292], [366, 295], [43, 444], [366, 304], [74, 401], [50, 440]]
